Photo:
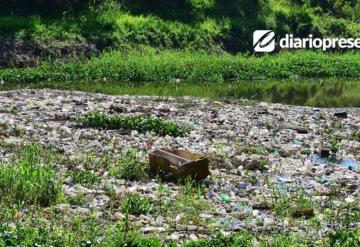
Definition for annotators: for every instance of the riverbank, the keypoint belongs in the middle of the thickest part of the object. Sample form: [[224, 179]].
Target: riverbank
[[150, 65], [266, 175]]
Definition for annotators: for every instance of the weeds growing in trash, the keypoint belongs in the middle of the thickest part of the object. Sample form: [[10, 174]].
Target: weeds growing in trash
[[140, 123]]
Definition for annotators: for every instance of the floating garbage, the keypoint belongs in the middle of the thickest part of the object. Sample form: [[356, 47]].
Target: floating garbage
[[274, 150], [281, 186], [178, 164], [298, 142], [323, 180], [325, 152], [307, 213], [341, 114], [346, 163], [244, 208], [231, 223], [225, 198], [299, 129]]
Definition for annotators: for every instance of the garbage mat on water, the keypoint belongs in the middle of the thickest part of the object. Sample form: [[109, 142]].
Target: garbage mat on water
[[178, 164]]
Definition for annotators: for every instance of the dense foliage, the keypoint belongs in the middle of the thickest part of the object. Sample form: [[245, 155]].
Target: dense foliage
[[165, 66], [157, 40], [186, 24]]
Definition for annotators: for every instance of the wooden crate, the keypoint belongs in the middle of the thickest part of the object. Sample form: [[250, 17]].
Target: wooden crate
[[178, 164]]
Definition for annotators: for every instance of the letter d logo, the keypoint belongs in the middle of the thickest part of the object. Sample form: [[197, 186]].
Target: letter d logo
[[264, 41]]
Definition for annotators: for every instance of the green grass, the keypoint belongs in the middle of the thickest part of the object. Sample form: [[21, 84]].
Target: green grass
[[129, 167], [151, 66], [34, 232], [28, 181], [334, 146], [345, 238], [84, 177], [139, 123], [357, 136], [288, 203], [136, 204], [243, 239], [116, 236]]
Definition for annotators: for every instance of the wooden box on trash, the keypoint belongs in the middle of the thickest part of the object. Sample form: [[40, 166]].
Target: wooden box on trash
[[178, 164]]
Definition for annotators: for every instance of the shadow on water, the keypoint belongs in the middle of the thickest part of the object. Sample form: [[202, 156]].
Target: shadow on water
[[321, 93]]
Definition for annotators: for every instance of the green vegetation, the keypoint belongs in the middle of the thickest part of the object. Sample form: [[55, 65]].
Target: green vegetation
[[139, 123], [27, 220], [129, 167], [189, 203], [28, 236], [144, 41], [243, 239], [84, 177], [295, 204], [334, 146], [166, 48], [136, 204], [28, 181], [344, 215], [333, 127], [151, 66], [345, 238], [181, 24], [357, 136]]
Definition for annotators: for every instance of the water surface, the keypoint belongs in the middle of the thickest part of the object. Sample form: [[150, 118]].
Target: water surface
[[321, 93], [345, 163]]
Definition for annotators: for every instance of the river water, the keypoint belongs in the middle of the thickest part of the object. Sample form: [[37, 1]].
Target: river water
[[309, 92]]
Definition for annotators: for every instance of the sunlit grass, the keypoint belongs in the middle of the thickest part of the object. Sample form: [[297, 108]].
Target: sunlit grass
[[27, 180]]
